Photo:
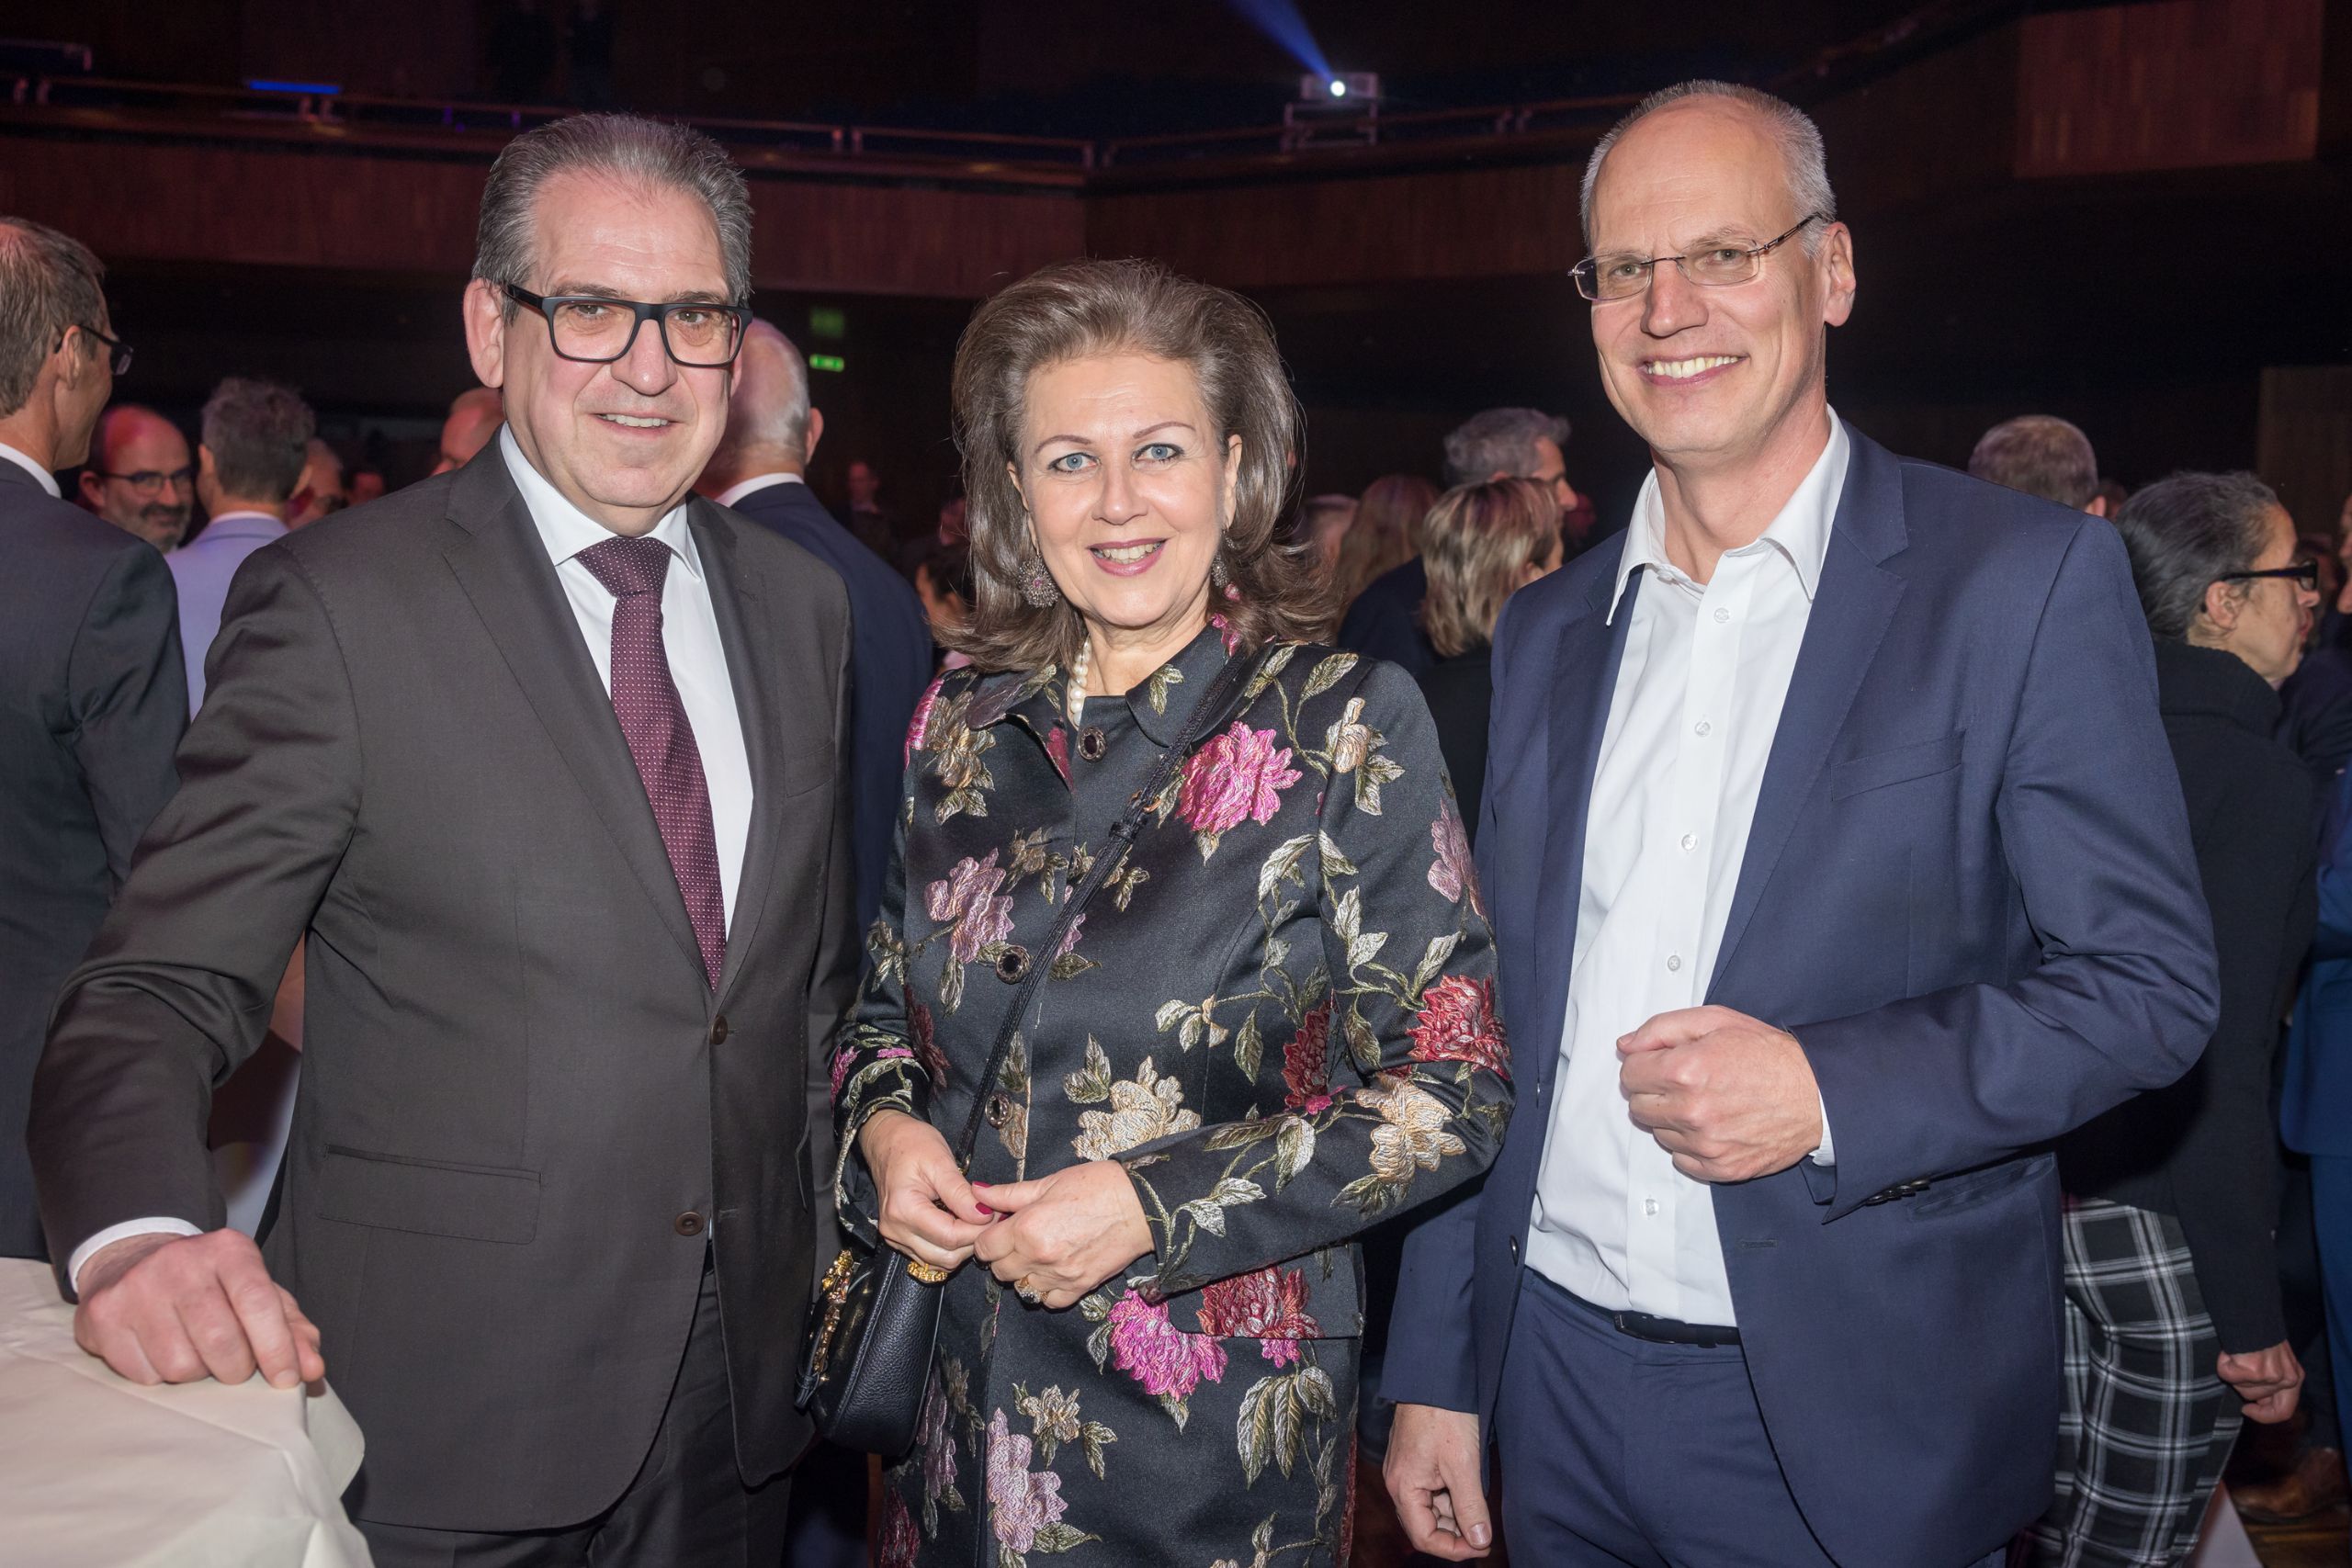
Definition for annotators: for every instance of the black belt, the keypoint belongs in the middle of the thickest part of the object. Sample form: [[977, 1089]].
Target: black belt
[[1655, 1330]]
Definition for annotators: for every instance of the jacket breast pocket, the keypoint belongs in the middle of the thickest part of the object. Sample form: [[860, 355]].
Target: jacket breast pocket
[[1898, 764], [471, 1203]]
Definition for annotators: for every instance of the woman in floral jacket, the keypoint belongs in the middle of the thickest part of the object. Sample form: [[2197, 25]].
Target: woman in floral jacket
[[1272, 1026]]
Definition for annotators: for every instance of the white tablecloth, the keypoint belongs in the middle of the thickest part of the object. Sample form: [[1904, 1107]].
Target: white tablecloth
[[96, 1470]]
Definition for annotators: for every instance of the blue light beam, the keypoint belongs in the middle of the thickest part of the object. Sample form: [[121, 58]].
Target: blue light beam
[[1279, 20]]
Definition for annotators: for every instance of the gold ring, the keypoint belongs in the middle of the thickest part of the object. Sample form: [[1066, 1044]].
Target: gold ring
[[928, 1273], [1023, 1288]]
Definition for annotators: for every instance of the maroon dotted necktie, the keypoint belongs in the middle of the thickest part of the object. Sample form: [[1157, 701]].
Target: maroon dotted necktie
[[660, 737]]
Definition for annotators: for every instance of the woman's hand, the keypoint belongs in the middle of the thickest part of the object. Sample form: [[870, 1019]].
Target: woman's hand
[[2269, 1381], [1062, 1235], [927, 1208]]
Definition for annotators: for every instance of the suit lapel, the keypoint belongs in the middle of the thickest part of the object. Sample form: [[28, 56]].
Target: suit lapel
[[501, 564], [746, 631], [1854, 605], [1582, 677]]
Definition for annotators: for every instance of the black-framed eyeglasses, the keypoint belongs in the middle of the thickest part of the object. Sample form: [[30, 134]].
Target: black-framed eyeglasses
[[121, 349], [595, 329], [1605, 280], [151, 481], [2304, 574]]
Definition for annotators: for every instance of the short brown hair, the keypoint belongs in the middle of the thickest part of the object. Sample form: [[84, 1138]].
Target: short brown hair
[[1074, 310], [48, 281], [259, 435], [1479, 537], [2041, 455]]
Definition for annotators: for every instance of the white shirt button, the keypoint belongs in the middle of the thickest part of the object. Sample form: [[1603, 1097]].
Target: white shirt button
[[1649, 1206], [1690, 842], [1674, 963], [1723, 618], [1701, 727]]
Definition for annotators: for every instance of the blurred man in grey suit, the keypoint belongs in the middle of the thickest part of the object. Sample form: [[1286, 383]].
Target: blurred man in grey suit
[[542, 756], [91, 697]]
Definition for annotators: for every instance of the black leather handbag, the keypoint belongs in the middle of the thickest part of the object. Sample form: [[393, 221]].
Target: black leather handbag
[[868, 1355]]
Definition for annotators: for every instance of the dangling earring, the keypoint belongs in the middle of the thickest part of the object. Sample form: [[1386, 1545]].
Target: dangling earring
[[1037, 583], [1218, 574]]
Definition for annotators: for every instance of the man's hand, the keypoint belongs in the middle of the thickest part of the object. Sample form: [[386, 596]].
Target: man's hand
[[927, 1208], [1432, 1475], [1064, 1234], [182, 1308], [1729, 1097], [2270, 1380]]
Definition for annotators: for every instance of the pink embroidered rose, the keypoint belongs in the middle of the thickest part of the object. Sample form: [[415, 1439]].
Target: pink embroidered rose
[[921, 724], [842, 1060], [967, 897], [1457, 1024], [900, 1540], [1238, 776], [925, 1033], [1020, 1503], [1057, 751], [1226, 634], [1070, 938], [1454, 872], [1306, 1063], [1268, 1305], [1169, 1362]]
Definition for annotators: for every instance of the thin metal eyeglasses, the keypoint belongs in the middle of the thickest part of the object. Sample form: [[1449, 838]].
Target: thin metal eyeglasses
[[593, 329], [121, 349], [2304, 574], [1606, 280], [151, 481]]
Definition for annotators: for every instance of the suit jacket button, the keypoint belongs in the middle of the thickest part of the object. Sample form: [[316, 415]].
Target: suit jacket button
[[688, 1224], [1012, 963], [1514, 1249], [998, 1111], [1092, 743], [718, 1030]]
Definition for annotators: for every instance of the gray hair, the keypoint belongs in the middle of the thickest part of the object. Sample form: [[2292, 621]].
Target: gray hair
[[2041, 455], [2187, 532], [1800, 140], [623, 146], [48, 281], [1501, 441], [259, 435]]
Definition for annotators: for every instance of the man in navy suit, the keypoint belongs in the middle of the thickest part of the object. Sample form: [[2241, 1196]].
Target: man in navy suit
[[760, 470], [1839, 865]]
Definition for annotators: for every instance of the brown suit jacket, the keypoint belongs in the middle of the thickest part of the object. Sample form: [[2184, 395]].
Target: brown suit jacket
[[524, 1115]]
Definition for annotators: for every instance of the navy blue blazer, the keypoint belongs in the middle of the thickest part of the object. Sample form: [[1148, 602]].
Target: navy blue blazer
[[1970, 894], [889, 666]]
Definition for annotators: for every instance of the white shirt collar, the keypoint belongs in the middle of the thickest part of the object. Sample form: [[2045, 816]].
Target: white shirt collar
[[566, 530], [48, 480], [734, 493], [1801, 531]]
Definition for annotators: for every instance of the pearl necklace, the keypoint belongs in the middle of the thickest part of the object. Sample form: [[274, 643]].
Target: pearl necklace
[[1074, 691]]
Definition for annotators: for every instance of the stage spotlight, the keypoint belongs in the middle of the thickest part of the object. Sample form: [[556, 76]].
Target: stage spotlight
[[1325, 88]]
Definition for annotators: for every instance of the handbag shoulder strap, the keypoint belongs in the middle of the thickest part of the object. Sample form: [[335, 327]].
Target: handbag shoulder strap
[[1113, 854]]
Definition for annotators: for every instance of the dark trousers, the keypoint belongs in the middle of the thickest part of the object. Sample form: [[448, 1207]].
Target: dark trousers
[[1615, 1451], [686, 1508]]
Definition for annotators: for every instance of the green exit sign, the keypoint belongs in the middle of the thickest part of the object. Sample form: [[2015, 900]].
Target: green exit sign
[[826, 362]]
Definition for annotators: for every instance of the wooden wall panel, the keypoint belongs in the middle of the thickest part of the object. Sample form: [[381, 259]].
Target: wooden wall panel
[[2187, 84], [1471, 223], [384, 214], [2304, 445]]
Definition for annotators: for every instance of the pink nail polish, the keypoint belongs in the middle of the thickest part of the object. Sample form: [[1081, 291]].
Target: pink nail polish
[[985, 1210]]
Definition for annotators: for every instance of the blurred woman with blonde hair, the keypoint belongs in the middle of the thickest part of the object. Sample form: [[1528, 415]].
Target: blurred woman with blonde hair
[[1481, 544]]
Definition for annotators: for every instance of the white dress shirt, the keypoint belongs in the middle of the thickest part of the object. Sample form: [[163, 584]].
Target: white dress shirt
[[697, 667], [1692, 719], [735, 492], [48, 480]]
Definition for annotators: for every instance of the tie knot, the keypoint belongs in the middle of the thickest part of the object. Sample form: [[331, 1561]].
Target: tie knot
[[629, 565]]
